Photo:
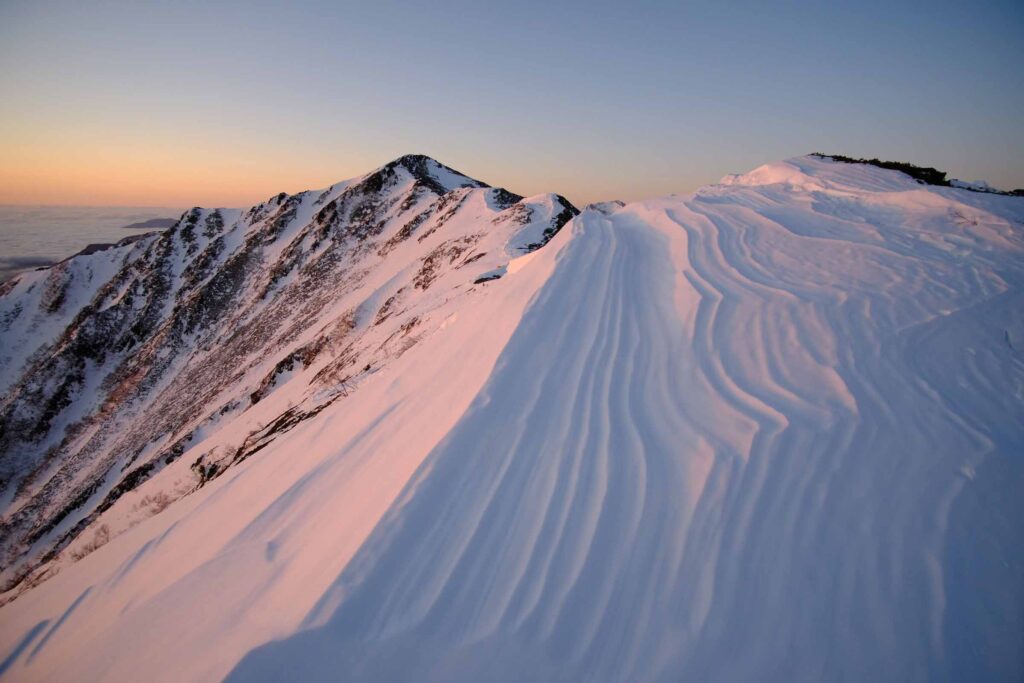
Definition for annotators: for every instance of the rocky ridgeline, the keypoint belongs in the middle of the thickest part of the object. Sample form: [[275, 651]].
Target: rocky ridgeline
[[118, 359]]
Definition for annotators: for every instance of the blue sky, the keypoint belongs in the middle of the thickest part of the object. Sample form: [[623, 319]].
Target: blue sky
[[226, 103]]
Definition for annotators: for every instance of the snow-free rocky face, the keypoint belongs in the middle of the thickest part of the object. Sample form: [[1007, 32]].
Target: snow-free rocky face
[[768, 431]]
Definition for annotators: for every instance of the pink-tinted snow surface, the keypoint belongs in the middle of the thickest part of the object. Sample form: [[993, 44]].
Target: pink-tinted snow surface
[[769, 431]]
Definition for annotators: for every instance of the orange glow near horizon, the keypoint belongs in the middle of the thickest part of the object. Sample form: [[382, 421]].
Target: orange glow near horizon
[[121, 171], [152, 175]]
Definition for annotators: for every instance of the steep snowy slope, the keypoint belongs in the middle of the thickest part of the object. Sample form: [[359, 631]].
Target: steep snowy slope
[[117, 363], [770, 431]]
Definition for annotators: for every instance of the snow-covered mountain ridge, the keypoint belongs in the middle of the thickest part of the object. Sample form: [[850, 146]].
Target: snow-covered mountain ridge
[[118, 361], [770, 430]]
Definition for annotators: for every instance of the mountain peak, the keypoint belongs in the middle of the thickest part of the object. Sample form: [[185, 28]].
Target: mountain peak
[[432, 173]]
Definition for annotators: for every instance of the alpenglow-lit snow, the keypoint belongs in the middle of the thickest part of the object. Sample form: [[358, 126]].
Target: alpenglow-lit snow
[[773, 430]]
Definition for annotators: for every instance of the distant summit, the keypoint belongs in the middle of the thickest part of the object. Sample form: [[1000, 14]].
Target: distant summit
[[152, 224]]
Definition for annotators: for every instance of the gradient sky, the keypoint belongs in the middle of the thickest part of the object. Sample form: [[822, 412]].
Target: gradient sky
[[225, 104]]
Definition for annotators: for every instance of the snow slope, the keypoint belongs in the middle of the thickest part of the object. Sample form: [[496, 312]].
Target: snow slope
[[770, 431], [139, 374]]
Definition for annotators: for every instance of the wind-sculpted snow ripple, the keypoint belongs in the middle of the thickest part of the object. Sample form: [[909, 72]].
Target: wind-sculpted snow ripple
[[719, 447]]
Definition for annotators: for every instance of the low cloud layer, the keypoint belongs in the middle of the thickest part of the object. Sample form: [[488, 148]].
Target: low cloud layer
[[11, 266]]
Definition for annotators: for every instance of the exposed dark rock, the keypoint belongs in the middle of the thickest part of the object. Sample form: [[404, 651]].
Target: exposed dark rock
[[567, 213], [303, 356], [445, 253], [925, 174]]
